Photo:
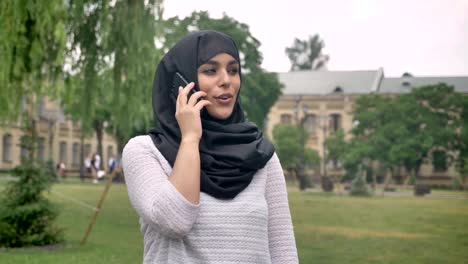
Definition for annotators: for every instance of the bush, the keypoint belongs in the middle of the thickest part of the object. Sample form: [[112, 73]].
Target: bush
[[26, 217], [359, 187], [327, 184], [421, 189]]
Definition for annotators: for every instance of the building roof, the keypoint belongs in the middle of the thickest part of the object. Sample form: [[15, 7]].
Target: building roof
[[330, 82], [404, 84]]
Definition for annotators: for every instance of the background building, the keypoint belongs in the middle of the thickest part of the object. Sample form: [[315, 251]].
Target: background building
[[324, 101], [58, 140]]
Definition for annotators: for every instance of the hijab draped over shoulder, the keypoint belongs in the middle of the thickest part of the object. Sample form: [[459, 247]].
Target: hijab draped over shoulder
[[231, 150]]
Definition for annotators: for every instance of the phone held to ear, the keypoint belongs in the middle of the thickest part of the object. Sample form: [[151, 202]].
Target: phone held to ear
[[178, 81]]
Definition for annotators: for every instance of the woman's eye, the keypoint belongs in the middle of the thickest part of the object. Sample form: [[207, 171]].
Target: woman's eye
[[233, 71], [209, 71]]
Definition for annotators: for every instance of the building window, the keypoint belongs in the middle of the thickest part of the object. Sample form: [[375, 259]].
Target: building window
[[310, 123], [286, 119], [63, 152], [76, 154], [439, 161], [7, 145], [40, 149], [335, 122]]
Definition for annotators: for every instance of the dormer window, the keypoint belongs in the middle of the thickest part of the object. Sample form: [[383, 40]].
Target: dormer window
[[338, 89]]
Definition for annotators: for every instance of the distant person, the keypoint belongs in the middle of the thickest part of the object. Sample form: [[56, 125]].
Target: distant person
[[207, 185], [112, 163], [61, 169], [95, 163]]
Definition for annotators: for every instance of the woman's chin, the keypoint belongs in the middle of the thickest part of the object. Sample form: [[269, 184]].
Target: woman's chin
[[220, 115]]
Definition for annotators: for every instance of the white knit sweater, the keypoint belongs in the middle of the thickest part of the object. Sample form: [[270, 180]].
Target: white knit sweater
[[254, 227]]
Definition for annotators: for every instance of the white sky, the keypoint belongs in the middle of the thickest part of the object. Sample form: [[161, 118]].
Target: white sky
[[423, 37]]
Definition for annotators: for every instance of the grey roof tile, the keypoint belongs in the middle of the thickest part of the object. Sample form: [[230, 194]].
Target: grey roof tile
[[405, 84], [325, 82]]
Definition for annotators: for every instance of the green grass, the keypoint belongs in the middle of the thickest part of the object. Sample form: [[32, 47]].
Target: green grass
[[329, 229]]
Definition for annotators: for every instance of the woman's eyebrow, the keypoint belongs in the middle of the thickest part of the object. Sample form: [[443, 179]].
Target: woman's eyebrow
[[215, 63]]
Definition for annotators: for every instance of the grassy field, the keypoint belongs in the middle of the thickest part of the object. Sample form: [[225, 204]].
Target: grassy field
[[329, 229]]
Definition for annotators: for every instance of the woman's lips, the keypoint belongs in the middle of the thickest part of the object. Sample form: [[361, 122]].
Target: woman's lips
[[223, 100]]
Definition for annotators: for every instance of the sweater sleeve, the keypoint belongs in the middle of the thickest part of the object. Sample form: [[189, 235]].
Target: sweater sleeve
[[280, 230], [154, 198]]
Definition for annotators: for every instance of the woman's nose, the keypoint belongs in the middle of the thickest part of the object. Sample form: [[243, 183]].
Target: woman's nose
[[225, 78]]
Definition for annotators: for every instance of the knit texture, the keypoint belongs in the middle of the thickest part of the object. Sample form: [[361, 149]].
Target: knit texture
[[254, 227]]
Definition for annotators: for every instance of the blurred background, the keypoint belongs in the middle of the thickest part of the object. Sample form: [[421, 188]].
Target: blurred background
[[365, 101]]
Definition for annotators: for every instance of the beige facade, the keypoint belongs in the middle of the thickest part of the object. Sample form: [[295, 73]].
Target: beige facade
[[324, 101], [321, 115], [57, 139]]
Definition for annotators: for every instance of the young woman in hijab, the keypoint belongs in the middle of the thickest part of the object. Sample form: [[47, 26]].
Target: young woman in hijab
[[207, 185]]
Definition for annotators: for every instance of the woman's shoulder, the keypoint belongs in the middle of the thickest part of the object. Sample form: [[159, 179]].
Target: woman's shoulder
[[139, 141], [140, 144], [274, 159]]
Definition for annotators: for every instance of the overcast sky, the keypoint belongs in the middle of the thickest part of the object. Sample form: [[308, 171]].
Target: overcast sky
[[423, 37]]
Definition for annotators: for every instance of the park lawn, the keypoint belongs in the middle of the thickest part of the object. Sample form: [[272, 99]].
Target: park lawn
[[328, 228]]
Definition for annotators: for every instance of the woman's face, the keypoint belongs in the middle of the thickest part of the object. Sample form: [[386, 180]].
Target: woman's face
[[219, 78]]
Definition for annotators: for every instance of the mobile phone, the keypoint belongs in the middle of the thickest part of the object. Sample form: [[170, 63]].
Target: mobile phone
[[179, 80]]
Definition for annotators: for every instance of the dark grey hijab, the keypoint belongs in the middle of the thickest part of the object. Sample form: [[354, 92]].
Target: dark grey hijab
[[231, 150]]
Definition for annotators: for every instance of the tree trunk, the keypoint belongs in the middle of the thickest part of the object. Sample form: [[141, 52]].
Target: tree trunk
[[99, 129], [82, 168], [388, 176], [51, 140], [374, 180]]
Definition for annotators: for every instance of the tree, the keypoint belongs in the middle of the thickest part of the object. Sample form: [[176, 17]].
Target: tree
[[336, 146], [84, 93], [288, 143], [32, 50], [133, 29], [113, 72], [462, 159], [260, 89], [405, 130], [307, 54]]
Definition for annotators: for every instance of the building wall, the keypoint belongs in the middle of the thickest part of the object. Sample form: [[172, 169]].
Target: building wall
[[320, 106], [324, 106], [64, 131]]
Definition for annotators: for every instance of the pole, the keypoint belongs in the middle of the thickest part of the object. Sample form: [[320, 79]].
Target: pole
[[98, 208]]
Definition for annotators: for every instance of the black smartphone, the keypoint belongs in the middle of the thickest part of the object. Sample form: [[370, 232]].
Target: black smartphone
[[179, 80]]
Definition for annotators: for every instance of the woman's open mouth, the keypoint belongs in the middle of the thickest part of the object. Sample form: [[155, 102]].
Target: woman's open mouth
[[224, 99]]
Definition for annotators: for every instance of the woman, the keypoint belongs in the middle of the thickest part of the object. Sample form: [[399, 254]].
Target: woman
[[207, 186]]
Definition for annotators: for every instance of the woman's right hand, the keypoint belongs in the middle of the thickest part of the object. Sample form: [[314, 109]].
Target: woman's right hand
[[188, 113]]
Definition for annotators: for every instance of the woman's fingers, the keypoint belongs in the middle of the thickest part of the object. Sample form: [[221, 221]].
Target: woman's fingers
[[193, 99], [199, 106], [183, 94]]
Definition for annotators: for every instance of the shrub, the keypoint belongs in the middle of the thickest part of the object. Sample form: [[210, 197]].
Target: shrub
[[26, 217], [327, 184], [359, 187], [421, 189]]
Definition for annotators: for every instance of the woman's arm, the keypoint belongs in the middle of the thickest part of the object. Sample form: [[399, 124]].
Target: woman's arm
[[186, 172], [280, 230], [153, 196]]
